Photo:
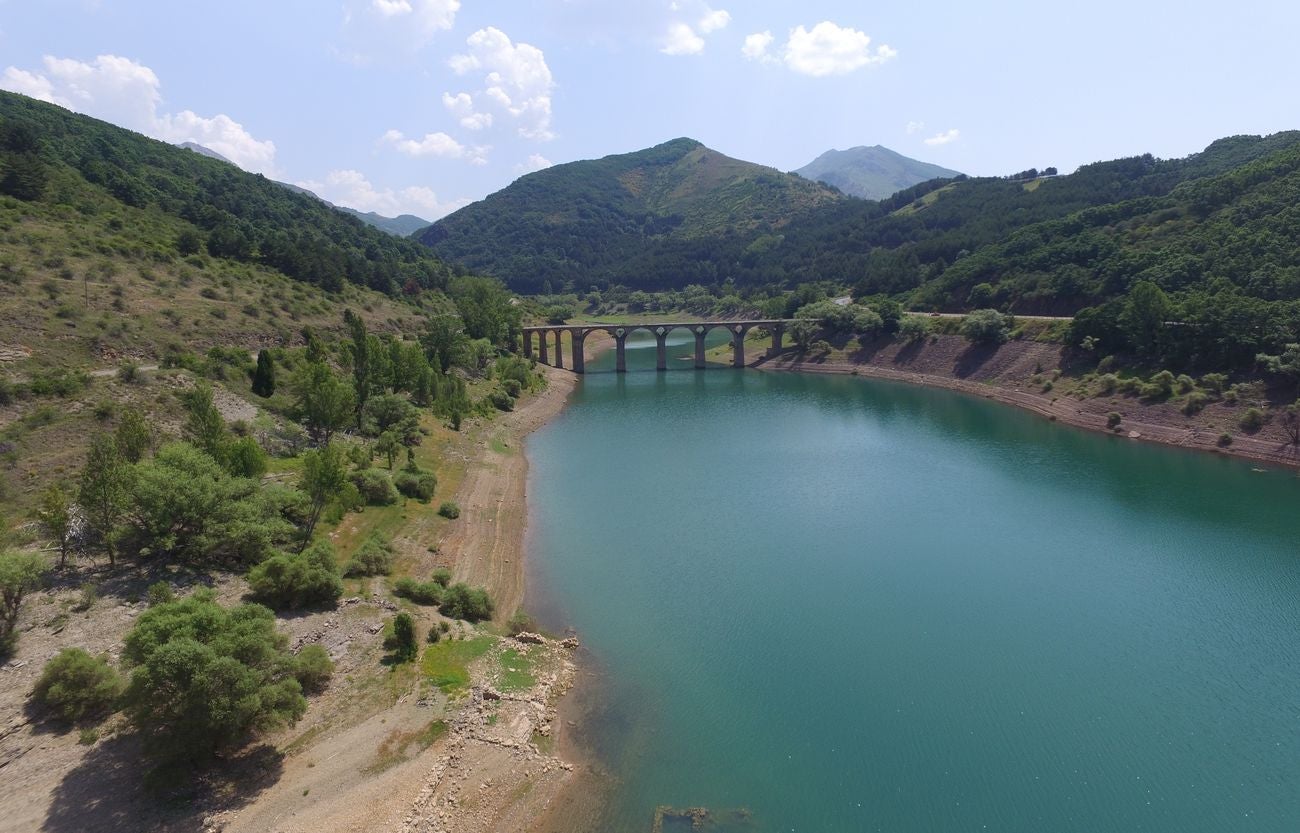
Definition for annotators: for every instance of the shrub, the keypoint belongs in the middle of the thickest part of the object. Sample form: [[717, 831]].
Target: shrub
[[512, 388], [129, 372], [288, 581], [160, 592], [1225, 440], [373, 558], [86, 600], [1214, 382], [986, 326], [205, 676], [442, 576], [1113, 420], [312, 667], [519, 623], [1195, 402], [1185, 383], [913, 328], [435, 635], [464, 602], [419, 485], [501, 400], [449, 510], [75, 685], [1252, 420], [420, 592], [1107, 383], [1159, 386], [1129, 385], [402, 640], [20, 573], [375, 487]]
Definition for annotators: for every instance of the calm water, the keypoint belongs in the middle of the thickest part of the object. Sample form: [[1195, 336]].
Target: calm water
[[851, 605]]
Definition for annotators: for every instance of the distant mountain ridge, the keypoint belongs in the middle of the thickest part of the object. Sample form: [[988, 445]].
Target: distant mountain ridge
[[402, 225], [872, 173], [583, 219]]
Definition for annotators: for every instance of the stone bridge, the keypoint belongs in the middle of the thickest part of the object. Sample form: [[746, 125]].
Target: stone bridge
[[619, 332]]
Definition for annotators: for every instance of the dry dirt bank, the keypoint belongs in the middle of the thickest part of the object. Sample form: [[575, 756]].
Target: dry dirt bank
[[1007, 374]]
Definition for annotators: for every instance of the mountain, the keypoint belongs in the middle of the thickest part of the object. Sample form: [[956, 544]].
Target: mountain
[[403, 225], [205, 204], [581, 221], [871, 173], [204, 151]]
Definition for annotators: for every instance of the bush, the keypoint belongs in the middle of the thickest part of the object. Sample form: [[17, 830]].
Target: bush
[[435, 635], [1185, 383], [1159, 386], [312, 667], [1225, 440], [1107, 383], [461, 601], [75, 685], [519, 623], [160, 592], [375, 487], [449, 510], [501, 400], [1195, 402], [420, 592], [986, 326], [205, 676], [402, 640], [244, 458], [1113, 420], [442, 576], [419, 485], [1214, 382], [512, 388], [373, 558], [86, 600], [288, 581], [20, 573], [128, 372], [1252, 420], [913, 328]]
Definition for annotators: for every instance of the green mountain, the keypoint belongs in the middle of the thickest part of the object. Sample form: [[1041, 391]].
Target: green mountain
[[871, 173], [230, 214], [583, 220], [403, 225]]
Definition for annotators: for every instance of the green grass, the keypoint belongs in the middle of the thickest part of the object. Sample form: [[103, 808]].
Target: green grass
[[395, 746], [516, 671], [446, 664]]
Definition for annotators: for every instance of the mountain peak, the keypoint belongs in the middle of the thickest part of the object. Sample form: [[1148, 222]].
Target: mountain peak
[[872, 173]]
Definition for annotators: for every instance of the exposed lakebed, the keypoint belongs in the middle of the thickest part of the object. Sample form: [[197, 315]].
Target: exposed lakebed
[[849, 605]]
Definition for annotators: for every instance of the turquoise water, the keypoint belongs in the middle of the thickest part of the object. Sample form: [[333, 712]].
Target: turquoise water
[[852, 605]]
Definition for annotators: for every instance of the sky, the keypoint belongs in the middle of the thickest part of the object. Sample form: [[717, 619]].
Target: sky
[[422, 106]]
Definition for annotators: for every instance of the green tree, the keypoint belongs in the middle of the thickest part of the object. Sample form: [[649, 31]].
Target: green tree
[[362, 371], [324, 474], [1143, 319], [324, 402], [292, 580], [20, 573], [103, 494], [204, 425], [204, 677], [74, 685], [986, 326], [486, 308], [264, 375], [390, 446], [134, 437], [54, 514], [461, 601], [403, 643]]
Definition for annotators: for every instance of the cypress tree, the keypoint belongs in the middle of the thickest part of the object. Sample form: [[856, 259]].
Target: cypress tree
[[264, 376]]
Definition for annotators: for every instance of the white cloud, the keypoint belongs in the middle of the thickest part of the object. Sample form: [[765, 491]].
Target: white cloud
[[438, 145], [714, 20], [915, 127], [352, 189], [379, 28], [682, 40], [944, 138], [536, 162], [829, 49], [756, 46], [516, 79], [128, 93], [461, 105]]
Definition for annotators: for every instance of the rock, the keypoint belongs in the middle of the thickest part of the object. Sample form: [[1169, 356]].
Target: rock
[[571, 643], [530, 638]]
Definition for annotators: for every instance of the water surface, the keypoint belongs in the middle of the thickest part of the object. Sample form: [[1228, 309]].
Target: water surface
[[853, 605]]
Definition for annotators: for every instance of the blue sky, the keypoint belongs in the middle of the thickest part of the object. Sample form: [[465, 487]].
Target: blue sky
[[423, 105]]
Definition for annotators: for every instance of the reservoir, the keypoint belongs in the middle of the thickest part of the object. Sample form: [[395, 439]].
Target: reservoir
[[855, 605]]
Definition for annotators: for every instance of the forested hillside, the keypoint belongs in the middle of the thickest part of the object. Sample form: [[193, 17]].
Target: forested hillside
[[871, 173], [582, 222]]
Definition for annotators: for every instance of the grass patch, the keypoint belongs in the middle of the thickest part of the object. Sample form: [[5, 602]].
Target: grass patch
[[396, 747], [516, 671], [446, 664]]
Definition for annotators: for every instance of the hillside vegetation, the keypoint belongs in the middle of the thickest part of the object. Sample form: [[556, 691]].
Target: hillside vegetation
[[583, 221]]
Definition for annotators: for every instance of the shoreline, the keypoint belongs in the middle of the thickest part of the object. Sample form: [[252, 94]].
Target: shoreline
[[1065, 410]]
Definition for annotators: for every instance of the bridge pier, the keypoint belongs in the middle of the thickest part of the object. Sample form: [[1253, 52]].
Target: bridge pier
[[738, 347], [661, 348], [542, 348], [700, 333], [778, 337], [620, 351], [559, 349], [576, 339], [528, 344]]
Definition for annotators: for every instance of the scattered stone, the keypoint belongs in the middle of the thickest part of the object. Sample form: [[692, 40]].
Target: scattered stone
[[530, 638]]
